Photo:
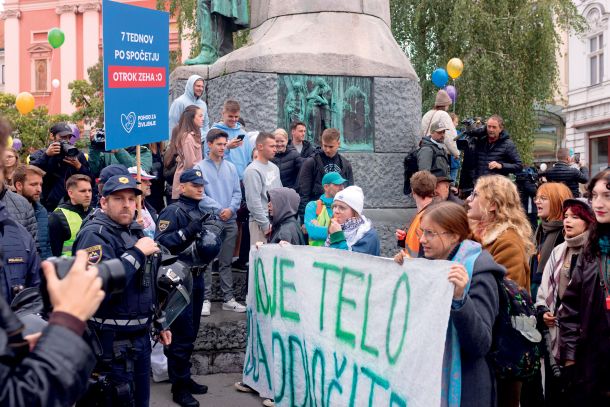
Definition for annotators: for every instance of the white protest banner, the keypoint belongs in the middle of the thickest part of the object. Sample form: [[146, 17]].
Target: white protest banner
[[329, 327]]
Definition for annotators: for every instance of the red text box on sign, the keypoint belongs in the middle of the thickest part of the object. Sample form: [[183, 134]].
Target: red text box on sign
[[136, 77]]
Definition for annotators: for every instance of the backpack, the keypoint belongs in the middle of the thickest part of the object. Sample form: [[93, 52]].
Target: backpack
[[515, 350], [410, 168]]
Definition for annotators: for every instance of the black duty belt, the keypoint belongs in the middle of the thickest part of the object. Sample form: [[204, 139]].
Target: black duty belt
[[198, 270]]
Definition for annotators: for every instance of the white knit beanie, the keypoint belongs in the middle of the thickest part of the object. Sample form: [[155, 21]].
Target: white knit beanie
[[352, 196]]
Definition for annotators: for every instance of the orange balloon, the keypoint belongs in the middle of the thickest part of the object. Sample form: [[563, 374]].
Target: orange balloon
[[24, 102], [455, 66]]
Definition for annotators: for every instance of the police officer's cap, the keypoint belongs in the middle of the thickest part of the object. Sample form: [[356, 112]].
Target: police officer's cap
[[61, 129], [111, 171], [119, 183], [194, 176]]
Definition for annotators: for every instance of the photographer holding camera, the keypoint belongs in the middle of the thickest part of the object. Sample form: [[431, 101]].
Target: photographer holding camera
[[59, 160], [100, 158], [122, 324]]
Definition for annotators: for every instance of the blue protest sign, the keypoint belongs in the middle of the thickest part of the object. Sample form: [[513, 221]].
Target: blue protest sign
[[136, 66]]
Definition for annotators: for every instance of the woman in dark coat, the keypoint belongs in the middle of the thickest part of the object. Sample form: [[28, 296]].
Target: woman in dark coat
[[584, 316], [443, 236], [287, 158]]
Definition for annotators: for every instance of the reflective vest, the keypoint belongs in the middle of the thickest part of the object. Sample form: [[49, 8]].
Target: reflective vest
[[74, 222], [323, 220]]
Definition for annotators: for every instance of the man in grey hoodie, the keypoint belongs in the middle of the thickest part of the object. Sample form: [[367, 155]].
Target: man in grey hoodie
[[260, 177], [193, 95]]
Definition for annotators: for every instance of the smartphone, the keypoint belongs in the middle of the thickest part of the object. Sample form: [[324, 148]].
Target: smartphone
[[240, 137]]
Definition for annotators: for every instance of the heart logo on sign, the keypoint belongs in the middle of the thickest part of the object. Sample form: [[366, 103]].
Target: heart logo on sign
[[128, 121]]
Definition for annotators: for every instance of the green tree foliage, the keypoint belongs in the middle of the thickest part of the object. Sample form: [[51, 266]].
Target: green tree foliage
[[88, 97], [33, 128], [508, 49]]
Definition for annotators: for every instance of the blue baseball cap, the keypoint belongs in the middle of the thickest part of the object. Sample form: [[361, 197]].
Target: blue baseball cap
[[333, 178], [194, 176], [119, 183], [110, 171]]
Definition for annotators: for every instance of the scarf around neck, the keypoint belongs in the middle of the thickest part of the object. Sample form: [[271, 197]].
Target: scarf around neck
[[353, 230], [466, 254]]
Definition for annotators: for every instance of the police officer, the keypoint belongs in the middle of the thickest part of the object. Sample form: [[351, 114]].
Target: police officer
[[122, 323], [19, 260], [179, 225]]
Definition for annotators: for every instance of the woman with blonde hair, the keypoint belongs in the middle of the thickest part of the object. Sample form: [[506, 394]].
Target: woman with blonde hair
[[498, 221], [287, 159], [186, 143]]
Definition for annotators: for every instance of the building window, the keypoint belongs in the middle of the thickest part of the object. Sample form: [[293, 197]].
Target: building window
[[40, 75], [596, 58]]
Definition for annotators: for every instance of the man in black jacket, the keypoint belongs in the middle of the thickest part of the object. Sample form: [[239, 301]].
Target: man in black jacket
[[298, 130], [563, 172], [322, 162], [495, 151], [59, 165]]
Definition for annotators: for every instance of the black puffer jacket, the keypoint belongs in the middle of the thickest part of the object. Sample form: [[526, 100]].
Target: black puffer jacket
[[289, 163], [20, 210], [502, 151], [562, 172]]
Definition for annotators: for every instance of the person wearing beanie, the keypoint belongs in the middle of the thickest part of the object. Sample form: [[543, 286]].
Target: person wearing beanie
[[439, 114], [349, 229]]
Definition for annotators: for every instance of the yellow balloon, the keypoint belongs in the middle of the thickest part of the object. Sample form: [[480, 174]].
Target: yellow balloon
[[24, 102], [9, 142], [455, 66]]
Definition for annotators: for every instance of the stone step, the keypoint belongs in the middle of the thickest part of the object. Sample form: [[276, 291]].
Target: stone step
[[240, 286], [221, 342]]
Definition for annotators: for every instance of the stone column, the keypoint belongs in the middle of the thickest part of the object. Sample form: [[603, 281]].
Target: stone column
[[67, 53], [11, 50], [91, 29]]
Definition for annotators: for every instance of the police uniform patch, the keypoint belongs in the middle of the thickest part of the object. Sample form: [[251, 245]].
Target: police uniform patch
[[16, 260], [163, 224], [123, 180], [95, 254]]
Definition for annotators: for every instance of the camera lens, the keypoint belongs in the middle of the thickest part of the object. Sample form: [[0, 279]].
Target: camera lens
[[112, 274], [69, 150]]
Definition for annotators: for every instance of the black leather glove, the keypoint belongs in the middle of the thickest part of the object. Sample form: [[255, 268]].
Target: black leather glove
[[192, 229]]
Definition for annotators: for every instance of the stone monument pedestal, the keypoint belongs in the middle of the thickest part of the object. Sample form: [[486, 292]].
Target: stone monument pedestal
[[299, 48]]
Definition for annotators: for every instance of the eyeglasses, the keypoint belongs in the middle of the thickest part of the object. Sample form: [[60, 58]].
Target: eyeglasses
[[541, 198], [429, 234]]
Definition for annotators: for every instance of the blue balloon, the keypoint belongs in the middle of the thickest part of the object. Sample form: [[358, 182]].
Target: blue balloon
[[440, 77]]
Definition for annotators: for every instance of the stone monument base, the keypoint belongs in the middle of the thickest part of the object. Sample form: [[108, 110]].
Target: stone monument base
[[397, 114]]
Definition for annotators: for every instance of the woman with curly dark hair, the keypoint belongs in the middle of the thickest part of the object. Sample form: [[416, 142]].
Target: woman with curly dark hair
[[584, 316]]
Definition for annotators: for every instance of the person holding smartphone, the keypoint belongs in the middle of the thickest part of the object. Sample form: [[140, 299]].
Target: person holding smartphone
[[239, 149]]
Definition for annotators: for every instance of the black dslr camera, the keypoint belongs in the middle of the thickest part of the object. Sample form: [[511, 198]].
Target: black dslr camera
[[98, 139], [110, 271], [67, 150]]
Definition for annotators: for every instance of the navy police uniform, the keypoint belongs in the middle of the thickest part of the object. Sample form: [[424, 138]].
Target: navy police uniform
[[19, 262], [122, 322], [177, 228]]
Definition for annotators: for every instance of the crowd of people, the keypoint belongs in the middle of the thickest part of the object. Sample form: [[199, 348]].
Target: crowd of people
[[215, 190]]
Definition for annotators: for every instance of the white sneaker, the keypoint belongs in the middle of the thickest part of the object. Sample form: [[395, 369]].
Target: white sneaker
[[205, 310], [268, 403], [233, 305]]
